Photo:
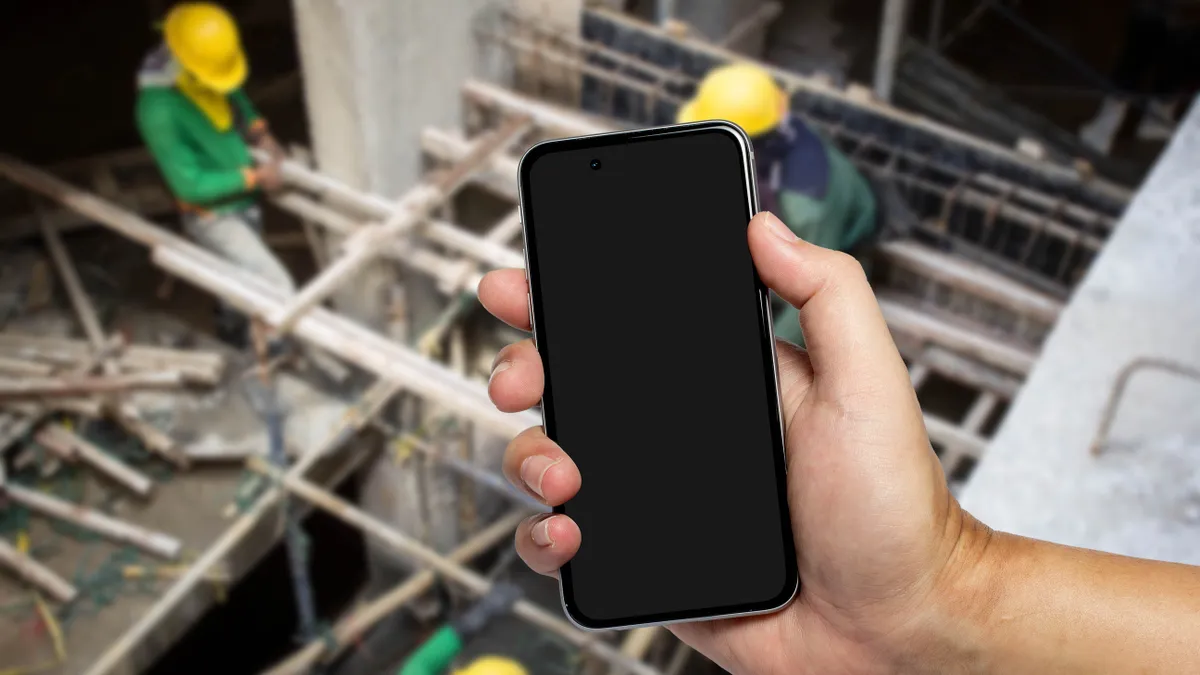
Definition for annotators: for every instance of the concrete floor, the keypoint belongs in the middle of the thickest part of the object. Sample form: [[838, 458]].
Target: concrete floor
[[1141, 495]]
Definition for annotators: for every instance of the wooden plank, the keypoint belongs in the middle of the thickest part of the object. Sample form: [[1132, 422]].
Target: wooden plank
[[950, 435], [507, 229], [88, 316], [71, 446], [974, 279], [636, 643], [14, 366], [345, 338], [312, 236], [117, 530], [35, 573], [917, 374], [977, 416], [980, 411], [930, 329], [69, 386], [414, 207], [348, 339], [450, 146], [70, 278]]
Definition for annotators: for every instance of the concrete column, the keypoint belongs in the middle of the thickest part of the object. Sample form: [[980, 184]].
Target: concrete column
[[715, 18], [891, 36], [375, 73]]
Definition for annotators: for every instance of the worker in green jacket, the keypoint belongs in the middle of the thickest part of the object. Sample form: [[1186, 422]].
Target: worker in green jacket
[[199, 124], [436, 655], [802, 178]]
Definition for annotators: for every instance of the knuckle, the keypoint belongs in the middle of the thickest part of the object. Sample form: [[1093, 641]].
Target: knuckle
[[846, 266]]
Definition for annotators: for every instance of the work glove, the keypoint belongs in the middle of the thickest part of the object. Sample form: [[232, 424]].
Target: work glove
[[498, 601]]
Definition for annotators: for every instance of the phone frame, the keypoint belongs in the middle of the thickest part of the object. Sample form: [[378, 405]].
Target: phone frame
[[767, 332]]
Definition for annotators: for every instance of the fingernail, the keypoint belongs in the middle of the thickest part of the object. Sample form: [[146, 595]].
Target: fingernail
[[533, 471], [499, 367], [540, 532], [779, 229]]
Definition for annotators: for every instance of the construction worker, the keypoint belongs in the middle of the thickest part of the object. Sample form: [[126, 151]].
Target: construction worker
[[436, 655], [803, 178], [198, 124]]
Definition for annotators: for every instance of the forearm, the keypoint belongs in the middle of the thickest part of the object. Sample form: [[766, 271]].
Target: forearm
[[1020, 605]]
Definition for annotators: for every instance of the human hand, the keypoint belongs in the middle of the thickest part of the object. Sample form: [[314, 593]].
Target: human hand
[[268, 143], [879, 538], [269, 176]]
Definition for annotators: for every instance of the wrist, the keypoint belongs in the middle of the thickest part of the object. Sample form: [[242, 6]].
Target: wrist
[[956, 632]]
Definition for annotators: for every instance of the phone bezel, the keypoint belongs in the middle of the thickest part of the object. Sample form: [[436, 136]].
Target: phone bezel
[[766, 326]]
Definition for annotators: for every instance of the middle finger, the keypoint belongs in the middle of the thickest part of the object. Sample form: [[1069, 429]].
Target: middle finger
[[516, 380]]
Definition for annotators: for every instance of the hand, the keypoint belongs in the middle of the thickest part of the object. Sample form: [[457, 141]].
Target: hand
[[879, 537], [268, 143], [269, 177]]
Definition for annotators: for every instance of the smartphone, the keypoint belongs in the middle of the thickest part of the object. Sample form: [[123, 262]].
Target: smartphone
[[654, 330]]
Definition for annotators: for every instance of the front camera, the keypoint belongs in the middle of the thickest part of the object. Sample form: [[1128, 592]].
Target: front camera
[[595, 165]]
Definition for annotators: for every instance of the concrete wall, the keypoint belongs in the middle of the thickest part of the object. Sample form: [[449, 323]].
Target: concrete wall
[[376, 71]]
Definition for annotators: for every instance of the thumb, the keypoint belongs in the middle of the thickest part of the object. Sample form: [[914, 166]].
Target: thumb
[[845, 333]]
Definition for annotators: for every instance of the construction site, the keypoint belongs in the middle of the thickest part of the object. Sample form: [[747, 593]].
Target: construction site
[[171, 503]]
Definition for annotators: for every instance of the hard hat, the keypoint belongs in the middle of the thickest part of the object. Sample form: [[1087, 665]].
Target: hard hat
[[493, 665], [742, 93], [204, 39]]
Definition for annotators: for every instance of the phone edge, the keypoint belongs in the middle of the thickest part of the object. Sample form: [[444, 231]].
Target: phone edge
[[750, 171]]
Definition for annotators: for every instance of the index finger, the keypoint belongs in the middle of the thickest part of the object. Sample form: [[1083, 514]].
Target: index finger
[[505, 293]]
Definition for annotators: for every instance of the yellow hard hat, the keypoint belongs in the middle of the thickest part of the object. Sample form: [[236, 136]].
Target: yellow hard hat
[[742, 93], [204, 38], [493, 665]]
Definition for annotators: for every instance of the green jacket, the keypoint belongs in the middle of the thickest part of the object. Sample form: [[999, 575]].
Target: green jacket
[[434, 655], [202, 166], [843, 218], [821, 197]]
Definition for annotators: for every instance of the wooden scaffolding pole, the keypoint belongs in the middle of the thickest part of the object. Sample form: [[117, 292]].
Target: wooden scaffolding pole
[[353, 421], [359, 620], [35, 573], [38, 387], [69, 446], [117, 530], [351, 341], [366, 244], [128, 417], [462, 576], [338, 335]]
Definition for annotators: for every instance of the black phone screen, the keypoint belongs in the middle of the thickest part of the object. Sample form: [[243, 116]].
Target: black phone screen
[[653, 329]]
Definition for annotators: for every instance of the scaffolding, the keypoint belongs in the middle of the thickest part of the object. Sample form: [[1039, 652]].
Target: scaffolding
[[997, 243]]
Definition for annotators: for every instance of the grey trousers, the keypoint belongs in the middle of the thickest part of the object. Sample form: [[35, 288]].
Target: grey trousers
[[237, 237]]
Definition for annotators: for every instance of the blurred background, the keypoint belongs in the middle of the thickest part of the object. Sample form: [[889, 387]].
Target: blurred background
[[243, 418]]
